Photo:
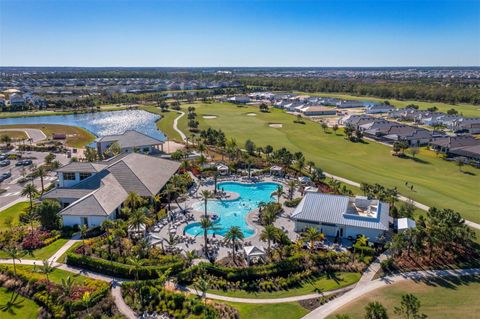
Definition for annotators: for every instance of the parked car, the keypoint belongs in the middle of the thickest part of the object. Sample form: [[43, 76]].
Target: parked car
[[24, 162], [4, 176], [3, 156], [4, 163]]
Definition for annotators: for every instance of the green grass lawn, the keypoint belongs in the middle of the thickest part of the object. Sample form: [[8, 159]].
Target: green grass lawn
[[11, 214], [468, 110], [14, 135], [76, 136], [165, 124], [323, 283], [436, 182], [42, 253], [289, 310], [443, 298], [23, 308]]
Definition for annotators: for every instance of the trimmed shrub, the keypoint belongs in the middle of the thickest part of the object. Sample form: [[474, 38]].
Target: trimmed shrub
[[122, 270]]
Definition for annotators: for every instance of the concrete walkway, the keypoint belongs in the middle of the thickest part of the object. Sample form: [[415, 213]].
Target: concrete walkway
[[362, 289], [35, 134], [175, 125], [64, 248], [271, 300]]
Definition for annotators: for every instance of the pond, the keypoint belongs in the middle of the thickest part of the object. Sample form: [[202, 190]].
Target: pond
[[99, 123]]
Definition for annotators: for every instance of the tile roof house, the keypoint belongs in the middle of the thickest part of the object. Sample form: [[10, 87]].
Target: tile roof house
[[342, 216], [130, 141], [92, 192], [444, 144]]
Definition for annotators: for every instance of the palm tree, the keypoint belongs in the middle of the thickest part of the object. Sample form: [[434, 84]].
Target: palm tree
[[206, 224], [206, 194], [311, 235], [133, 201], [168, 192], [30, 191], [136, 264], [279, 192], [46, 268], [201, 285], [41, 172], [138, 219], [269, 234], [6, 139], [311, 166], [15, 254], [233, 235], [67, 288], [291, 188], [201, 148]]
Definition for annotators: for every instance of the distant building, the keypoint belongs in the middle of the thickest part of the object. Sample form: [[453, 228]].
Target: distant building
[[130, 141], [378, 108], [318, 110], [349, 104]]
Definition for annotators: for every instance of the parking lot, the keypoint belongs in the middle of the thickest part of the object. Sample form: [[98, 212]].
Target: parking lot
[[12, 187]]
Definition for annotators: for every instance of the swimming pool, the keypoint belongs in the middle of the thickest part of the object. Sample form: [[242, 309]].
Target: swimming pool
[[234, 212]]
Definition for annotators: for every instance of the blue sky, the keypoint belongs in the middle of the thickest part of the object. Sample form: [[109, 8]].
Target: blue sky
[[239, 33]]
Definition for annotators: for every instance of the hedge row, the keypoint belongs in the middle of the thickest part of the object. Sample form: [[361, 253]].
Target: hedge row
[[277, 269], [122, 270]]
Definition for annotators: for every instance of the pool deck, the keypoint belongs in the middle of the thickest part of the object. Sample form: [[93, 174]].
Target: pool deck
[[282, 222]]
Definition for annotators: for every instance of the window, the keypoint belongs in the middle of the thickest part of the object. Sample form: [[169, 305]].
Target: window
[[69, 176], [84, 221], [84, 175]]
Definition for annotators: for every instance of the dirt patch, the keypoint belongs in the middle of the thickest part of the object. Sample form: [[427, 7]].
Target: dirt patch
[[170, 147], [275, 125], [209, 117], [251, 114]]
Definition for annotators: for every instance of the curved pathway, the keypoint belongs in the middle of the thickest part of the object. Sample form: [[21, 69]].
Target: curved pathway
[[175, 125], [271, 300], [364, 288], [35, 134]]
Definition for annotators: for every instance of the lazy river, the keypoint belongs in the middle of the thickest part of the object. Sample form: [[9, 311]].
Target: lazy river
[[234, 212]]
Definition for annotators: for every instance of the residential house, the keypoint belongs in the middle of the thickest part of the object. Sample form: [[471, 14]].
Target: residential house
[[342, 216], [90, 193], [445, 144], [378, 108], [349, 104], [317, 110]]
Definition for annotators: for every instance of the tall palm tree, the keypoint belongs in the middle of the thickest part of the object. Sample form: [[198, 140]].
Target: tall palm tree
[[291, 188], [311, 235], [15, 254], [46, 268], [311, 166], [41, 172], [269, 234], [67, 288], [278, 193], [136, 264], [138, 219], [133, 201], [206, 224], [168, 192], [83, 234], [206, 195], [201, 285], [234, 235], [30, 191]]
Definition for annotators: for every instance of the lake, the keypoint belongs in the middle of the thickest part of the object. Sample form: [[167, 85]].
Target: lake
[[99, 123]]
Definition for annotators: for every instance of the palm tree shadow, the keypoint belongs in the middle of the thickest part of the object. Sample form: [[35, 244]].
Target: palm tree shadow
[[12, 304]]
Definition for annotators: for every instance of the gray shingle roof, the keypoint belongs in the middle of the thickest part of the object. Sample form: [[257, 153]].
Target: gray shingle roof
[[335, 209], [103, 192], [83, 167], [130, 139]]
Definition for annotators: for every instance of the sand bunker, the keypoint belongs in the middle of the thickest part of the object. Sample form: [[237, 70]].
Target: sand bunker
[[252, 114], [275, 125], [209, 117]]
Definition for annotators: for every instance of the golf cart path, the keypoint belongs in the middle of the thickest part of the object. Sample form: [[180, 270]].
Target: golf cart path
[[35, 134], [363, 288], [175, 125]]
